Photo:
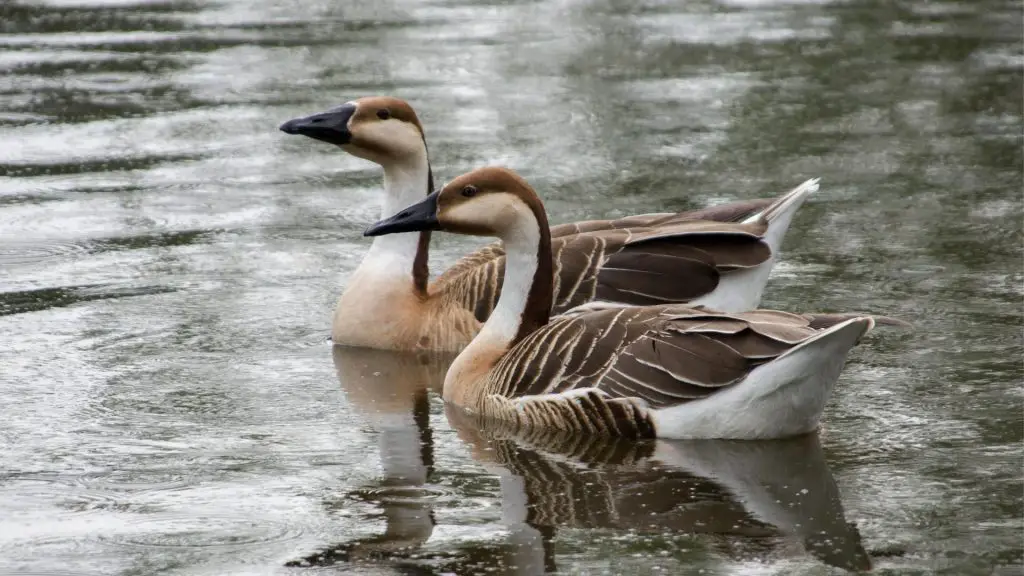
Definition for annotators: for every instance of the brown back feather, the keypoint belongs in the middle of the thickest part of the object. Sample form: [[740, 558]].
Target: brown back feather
[[663, 355], [647, 259]]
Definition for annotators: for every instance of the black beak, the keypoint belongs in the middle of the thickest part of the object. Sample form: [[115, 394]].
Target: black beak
[[416, 218], [330, 126]]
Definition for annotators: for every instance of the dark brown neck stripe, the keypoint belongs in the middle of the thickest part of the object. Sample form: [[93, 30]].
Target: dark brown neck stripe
[[537, 311], [420, 270]]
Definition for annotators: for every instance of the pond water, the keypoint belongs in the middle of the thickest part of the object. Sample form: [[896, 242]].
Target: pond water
[[169, 262]]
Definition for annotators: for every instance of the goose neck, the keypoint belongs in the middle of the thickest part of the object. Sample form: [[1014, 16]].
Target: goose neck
[[526, 293], [405, 182]]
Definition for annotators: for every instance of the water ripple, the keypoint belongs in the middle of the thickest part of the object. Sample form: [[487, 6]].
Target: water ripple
[[137, 481], [407, 494], [30, 492], [182, 530], [19, 252]]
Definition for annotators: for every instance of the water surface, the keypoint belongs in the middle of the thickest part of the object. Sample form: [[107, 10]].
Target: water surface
[[169, 263]]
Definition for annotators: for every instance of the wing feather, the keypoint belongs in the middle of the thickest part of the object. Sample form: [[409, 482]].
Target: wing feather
[[656, 356], [692, 358], [647, 259]]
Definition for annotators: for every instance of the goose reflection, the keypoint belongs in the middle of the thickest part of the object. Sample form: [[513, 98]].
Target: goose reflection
[[742, 498], [390, 389]]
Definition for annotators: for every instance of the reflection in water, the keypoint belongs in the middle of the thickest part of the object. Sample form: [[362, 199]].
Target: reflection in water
[[390, 390], [747, 500], [731, 490]]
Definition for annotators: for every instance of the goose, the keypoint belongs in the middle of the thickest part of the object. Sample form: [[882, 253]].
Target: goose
[[669, 371], [723, 262]]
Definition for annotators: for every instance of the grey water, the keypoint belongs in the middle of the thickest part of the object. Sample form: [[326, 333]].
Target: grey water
[[169, 260]]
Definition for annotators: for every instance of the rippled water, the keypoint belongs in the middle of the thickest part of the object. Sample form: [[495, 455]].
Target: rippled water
[[169, 261]]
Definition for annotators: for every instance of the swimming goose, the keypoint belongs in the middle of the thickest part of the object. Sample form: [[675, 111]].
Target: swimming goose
[[641, 259], [641, 371]]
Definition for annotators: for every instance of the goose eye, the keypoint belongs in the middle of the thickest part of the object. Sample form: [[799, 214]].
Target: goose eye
[[383, 114], [469, 191]]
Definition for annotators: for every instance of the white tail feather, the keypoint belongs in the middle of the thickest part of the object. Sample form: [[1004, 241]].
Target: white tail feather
[[787, 203], [782, 398], [780, 213], [741, 290]]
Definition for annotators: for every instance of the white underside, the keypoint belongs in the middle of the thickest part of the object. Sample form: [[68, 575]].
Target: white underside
[[741, 290], [780, 399]]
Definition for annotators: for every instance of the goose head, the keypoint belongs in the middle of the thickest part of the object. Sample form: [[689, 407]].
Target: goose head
[[488, 201], [380, 129]]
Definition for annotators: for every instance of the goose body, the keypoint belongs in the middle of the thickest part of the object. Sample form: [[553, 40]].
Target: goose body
[[669, 370], [666, 371], [719, 257]]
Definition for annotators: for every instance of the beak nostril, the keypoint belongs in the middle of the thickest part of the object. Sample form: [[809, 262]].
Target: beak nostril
[[404, 214], [317, 120]]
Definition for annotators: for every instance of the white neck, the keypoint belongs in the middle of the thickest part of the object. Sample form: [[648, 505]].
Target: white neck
[[465, 374], [405, 183], [521, 244]]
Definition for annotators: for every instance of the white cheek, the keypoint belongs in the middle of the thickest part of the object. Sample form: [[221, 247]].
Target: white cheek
[[397, 137], [465, 214], [497, 212]]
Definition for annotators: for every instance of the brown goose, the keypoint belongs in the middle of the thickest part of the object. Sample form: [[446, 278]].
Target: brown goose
[[643, 259], [668, 370]]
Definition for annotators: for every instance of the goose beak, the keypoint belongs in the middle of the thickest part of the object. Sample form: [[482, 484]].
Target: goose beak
[[416, 218], [330, 126]]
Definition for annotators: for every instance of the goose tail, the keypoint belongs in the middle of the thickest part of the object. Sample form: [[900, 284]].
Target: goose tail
[[779, 213], [799, 383], [781, 398], [741, 290]]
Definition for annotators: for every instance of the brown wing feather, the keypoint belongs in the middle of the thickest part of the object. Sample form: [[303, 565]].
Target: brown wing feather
[[674, 265], [690, 357], [647, 259], [731, 252], [731, 212], [471, 261], [665, 355], [635, 221], [474, 281], [644, 279]]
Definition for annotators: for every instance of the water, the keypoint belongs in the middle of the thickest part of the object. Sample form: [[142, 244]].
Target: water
[[169, 262]]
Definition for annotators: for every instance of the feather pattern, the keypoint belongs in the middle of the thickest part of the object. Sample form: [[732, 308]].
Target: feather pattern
[[604, 372], [675, 260]]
